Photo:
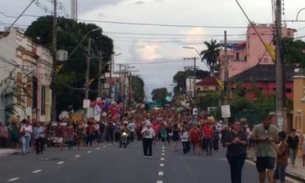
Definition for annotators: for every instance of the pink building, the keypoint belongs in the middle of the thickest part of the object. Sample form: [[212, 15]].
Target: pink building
[[245, 54]]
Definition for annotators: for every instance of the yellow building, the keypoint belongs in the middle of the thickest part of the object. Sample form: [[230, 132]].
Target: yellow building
[[299, 102]]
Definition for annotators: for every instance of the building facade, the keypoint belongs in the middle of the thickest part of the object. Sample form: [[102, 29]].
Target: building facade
[[25, 78], [245, 54]]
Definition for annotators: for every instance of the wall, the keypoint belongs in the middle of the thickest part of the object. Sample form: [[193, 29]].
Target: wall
[[255, 50]]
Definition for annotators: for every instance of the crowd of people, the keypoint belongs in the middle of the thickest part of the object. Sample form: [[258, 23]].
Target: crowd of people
[[179, 129]]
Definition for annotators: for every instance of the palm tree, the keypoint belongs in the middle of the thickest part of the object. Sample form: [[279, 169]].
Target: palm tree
[[211, 54]]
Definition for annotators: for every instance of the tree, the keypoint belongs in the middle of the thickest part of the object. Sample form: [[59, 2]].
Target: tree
[[211, 54], [294, 51], [180, 78], [138, 89], [159, 95], [72, 75]]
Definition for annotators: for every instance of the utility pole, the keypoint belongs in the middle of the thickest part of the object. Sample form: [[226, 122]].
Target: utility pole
[[195, 81], [226, 76], [124, 87], [88, 68], [99, 84], [54, 50], [280, 86]]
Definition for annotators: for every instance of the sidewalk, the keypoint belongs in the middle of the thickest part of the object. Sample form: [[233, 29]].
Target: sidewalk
[[297, 172], [4, 152]]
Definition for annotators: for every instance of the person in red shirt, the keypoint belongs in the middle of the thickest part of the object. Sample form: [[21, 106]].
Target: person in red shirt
[[208, 135], [195, 139]]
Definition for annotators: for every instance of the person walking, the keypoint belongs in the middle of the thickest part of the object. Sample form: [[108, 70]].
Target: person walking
[[148, 135], [26, 133], [263, 135], [208, 135], [293, 144], [236, 141], [282, 157], [39, 135]]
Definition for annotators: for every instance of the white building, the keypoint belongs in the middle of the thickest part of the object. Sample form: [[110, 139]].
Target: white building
[[25, 74]]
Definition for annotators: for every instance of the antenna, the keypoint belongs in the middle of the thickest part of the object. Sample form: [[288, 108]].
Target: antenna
[[74, 9]]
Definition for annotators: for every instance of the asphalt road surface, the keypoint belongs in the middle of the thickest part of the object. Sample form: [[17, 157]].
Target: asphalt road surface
[[110, 164]]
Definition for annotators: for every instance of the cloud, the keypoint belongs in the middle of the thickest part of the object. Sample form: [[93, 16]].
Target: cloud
[[139, 2], [146, 51]]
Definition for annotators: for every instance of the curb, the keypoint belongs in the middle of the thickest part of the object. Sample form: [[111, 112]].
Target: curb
[[288, 174], [9, 152]]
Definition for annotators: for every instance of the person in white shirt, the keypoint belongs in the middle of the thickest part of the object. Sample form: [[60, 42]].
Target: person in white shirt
[[148, 135], [185, 139], [26, 133], [131, 127]]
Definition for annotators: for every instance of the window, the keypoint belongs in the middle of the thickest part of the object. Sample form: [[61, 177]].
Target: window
[[43, 100], [237, 56], [265, 60], [29, 91], [288, 90], [34, 91]]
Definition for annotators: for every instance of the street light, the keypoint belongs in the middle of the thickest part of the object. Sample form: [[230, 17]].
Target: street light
[[193, 48], [80, 43], [297, 18]]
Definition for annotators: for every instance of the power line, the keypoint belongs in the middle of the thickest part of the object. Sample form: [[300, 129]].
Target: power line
[[152, 63], [145, 24], [155, 34], [17, 18]]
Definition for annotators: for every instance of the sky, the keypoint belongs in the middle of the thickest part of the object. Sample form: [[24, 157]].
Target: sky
[[157, 52]]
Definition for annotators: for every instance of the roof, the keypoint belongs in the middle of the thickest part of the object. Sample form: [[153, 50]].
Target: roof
[[208, 81], [264, 73]]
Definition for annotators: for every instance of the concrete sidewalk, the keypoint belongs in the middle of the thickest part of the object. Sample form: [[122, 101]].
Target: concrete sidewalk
[[297, 172], [4, 152]]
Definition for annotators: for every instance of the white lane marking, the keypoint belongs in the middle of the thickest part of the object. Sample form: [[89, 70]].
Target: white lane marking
[[13, 179], [61, 162], [163, 154], [160, 173], [162, 164], [77, 156], [163, 150], [36, 171], [159, 181], [89, 152], [162, 159], [98, 148], [163, 147], [104, 146]]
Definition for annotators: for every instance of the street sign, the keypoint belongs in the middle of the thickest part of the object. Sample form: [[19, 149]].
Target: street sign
[[225, 111], [195, 111]]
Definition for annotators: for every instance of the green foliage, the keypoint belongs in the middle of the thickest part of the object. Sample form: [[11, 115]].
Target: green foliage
[[159, 95], [70, 33], [138, 89], [294, 51], [209, 100], [211, 54]]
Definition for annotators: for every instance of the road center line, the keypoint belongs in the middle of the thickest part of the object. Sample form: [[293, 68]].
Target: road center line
[[160, 173], [98, 148], [77, 156], [89, 152], [36, 171], [163, 147], [162, 164], [163, 150], [104, 146], [162, 159], [13, 179], [163, 154], [61, 162], [159, 181]]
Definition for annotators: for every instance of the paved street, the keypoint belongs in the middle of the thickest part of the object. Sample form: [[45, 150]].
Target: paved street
[[109, 164]]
